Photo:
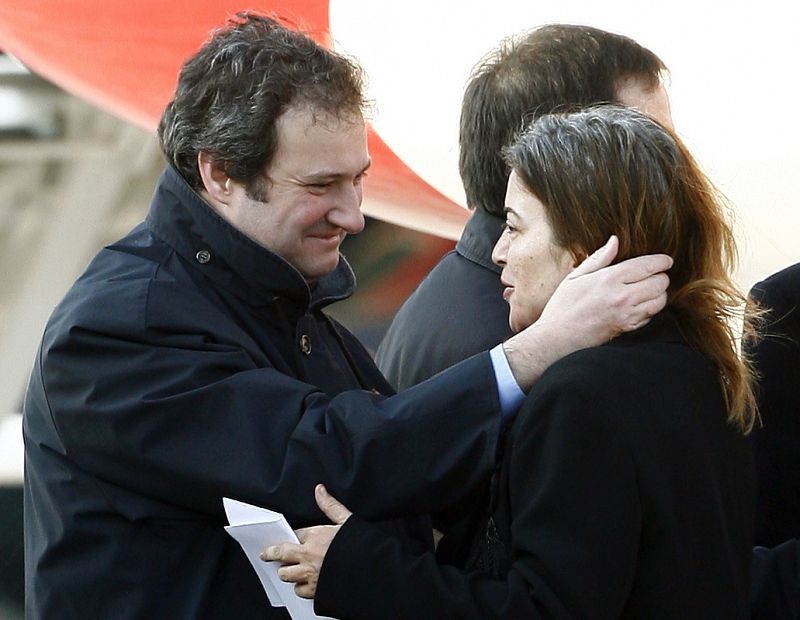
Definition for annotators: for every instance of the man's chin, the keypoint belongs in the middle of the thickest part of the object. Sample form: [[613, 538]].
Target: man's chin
[[321, 268]]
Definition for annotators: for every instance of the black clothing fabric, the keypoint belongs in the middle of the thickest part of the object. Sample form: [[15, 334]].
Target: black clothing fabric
[[623, 493], [189, 363], [776, 582], [776, 442], [457, 311]]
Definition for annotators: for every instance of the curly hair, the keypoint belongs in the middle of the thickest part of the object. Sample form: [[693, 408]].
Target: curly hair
[[232, 91], [611, 170], [557, 67]]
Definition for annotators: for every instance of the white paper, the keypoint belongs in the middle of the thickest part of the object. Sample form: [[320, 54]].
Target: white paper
[[254, 529]]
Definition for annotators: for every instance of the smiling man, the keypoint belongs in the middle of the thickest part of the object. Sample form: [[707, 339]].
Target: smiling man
[[193, 359], [313, 189]]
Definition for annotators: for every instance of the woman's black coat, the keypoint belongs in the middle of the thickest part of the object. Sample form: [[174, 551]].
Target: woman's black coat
[[623, 493]]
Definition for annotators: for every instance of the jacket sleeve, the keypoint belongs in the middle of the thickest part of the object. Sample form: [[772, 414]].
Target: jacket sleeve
[[574, 529], [186, 421]]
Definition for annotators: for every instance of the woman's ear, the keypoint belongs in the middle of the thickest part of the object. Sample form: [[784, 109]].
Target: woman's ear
[[216, 182]]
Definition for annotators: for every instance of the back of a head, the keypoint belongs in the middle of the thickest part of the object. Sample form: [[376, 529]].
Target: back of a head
[[612, 170], [552, 68], [232, 91]]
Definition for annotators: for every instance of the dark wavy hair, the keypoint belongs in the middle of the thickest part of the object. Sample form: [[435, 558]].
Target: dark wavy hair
[[611, 170], [232, 91], [557, 67]]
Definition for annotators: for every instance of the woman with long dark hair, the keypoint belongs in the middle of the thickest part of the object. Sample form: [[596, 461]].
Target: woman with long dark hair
[[626, 484]]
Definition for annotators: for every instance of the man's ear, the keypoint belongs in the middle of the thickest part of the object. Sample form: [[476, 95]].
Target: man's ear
[[216, 182]]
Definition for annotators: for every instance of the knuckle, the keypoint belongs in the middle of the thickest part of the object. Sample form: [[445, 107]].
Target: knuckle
[[621, 300]]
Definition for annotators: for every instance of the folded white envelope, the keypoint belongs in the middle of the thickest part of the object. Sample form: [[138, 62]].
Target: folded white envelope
[[254, 529]]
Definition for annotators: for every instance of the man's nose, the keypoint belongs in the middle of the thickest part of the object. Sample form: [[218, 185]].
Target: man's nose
[[347, 213]]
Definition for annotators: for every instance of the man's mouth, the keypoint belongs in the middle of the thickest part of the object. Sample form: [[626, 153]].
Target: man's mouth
[[331, 237]]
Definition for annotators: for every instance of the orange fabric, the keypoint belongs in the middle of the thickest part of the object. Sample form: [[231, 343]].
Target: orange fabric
[[125, 57]]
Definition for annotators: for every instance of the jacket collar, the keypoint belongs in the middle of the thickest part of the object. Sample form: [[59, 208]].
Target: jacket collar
[[183, 219], [663, 327], [479, 238]]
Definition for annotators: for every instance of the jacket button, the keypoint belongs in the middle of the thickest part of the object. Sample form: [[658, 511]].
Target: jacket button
[[203, 256], [305, 344]]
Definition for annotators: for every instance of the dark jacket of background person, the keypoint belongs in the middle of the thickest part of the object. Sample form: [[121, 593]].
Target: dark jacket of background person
[[623, 493], [776, 443], [457, 311], [776, 582], [181, 368]]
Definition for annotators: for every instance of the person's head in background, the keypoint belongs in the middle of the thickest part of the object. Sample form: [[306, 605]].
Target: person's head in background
[[557, 67], [581, 177]]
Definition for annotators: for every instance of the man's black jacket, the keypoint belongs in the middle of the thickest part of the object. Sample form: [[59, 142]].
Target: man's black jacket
[[186, 364]]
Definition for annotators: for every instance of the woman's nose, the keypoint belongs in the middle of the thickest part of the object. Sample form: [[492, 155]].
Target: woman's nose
[[500, 249]]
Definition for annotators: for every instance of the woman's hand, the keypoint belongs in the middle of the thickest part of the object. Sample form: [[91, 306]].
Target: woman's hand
[[302, 563]]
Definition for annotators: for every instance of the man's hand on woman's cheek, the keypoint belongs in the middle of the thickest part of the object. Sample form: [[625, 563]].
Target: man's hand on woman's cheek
[[594, 303]]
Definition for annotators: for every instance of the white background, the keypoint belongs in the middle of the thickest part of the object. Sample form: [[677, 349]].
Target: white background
[[734, 90]]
